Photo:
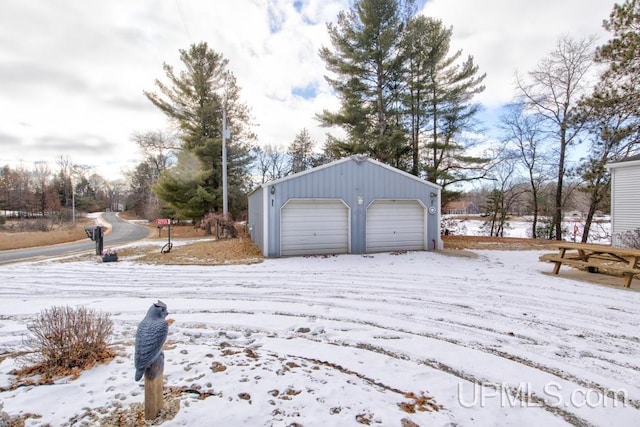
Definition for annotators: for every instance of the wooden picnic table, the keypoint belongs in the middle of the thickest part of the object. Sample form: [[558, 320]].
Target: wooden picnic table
[[596, 258]]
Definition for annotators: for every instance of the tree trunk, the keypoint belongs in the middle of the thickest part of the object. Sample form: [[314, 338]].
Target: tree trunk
[[561, 161]]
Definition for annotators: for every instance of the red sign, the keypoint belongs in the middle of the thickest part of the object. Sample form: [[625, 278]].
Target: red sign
[[162, 221]]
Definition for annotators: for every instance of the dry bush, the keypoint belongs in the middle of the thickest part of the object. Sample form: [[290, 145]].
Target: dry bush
[[65, 339], [224, 226], [631, 238]]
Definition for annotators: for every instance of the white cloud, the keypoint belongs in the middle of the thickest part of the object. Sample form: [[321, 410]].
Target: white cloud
[[72, 73], [505, 36]]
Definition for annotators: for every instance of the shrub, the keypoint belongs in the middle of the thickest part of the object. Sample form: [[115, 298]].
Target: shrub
[[42, 224], [64, 338], [631, 238]]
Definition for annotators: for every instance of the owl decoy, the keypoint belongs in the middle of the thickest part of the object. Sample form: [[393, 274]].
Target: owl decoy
[[150, 337]]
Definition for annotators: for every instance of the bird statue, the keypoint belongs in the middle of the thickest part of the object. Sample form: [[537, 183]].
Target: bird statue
[[150, 337]]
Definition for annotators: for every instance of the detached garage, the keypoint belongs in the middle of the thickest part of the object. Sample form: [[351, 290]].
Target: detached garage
[[353, 205]]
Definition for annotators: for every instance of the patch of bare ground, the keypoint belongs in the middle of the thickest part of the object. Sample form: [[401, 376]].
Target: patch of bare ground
[[201, 249], [206, 252], [496, 243]]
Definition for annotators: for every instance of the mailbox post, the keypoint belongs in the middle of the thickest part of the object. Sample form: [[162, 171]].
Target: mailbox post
[[161, 222], [95, 234]]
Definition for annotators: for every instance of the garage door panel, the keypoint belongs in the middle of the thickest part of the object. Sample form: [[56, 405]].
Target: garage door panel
[[395, 225], [313, 227]]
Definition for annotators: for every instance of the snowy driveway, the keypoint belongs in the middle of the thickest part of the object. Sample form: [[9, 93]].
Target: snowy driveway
[[346, 340]]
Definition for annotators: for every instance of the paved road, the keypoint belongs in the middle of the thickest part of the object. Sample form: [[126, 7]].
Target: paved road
[[121, 232]]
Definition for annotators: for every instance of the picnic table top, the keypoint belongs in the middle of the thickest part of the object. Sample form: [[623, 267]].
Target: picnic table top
[[592, 247]]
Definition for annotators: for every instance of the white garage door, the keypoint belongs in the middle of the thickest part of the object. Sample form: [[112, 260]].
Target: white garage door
[[313, 227], [394, 225]]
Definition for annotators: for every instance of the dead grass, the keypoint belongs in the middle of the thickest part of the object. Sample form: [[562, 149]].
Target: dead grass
[[177, 232], [496, 243], [200, 250], [29, 239], [207, 252]]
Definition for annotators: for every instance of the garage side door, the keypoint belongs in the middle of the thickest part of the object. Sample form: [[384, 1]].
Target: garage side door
[[394, 225], [314, 227]]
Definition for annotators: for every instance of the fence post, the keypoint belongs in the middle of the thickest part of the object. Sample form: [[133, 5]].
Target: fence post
[[153, 399]]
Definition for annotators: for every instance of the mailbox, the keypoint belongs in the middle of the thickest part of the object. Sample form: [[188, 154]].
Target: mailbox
[[95, 234]]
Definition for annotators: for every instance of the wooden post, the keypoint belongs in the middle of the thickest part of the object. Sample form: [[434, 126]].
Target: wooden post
[[556, 267], [153, 399]]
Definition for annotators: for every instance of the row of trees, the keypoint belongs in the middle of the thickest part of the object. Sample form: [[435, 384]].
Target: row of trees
[[408, 101], [43, 192]]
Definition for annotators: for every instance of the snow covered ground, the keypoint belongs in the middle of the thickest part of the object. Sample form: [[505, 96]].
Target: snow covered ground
[[343, 341], [600, 231]]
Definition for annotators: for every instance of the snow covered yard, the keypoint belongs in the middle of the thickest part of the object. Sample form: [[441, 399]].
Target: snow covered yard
[[416, 338]]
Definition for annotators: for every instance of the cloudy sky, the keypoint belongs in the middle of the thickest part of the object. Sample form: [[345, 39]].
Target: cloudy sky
[[72, 72]]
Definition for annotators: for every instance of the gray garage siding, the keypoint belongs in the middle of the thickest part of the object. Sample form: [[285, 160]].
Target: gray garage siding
[[357, 181], [256, 217]]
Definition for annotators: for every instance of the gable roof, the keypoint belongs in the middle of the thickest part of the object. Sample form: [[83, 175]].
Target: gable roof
[[357, 158]]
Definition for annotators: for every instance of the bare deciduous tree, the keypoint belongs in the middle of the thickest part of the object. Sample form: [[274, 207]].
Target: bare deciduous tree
[[523, 132], [271, 162], [553, 90]]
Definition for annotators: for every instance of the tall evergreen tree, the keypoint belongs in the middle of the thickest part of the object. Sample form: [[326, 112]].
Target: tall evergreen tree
[[440, 89], [194, 100], [366, 63], [405, 99]]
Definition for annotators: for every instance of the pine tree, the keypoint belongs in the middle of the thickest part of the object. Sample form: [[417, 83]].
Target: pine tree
[[622, 52], [194, 100], [366, 63], [405, 100], [612, 112], [301, 152], [438, 99]]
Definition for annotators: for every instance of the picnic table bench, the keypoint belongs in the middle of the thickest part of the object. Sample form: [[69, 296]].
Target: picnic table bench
[[596, 259]]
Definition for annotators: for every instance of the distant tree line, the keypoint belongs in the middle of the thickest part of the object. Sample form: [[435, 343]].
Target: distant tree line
[[40, 191]]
